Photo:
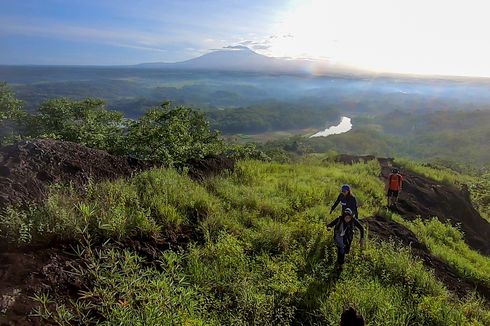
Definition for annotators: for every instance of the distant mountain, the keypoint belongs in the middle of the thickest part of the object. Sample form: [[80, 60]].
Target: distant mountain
[[245, 60]]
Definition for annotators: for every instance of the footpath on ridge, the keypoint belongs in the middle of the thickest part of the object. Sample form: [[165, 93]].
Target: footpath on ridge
[[425, 198]]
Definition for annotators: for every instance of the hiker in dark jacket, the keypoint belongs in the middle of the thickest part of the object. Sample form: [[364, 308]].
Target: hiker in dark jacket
[[347, 200], [344, 233]]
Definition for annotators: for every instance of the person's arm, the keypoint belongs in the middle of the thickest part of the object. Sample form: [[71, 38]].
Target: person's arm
[[333, 223], [360, 227], [354, 209], [401, 182], [335, 204]]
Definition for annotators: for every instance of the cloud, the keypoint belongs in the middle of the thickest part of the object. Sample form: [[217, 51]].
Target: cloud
[[157, 41], [248, 42], [263, 44], [261, 47], [289, 35], [236, 47]]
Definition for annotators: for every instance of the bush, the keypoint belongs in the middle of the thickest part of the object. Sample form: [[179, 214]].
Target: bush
[[172, 135]]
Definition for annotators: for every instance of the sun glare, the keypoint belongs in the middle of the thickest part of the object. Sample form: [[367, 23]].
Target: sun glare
[[421, 37]]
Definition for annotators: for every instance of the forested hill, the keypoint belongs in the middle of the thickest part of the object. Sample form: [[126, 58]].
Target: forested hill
[[272, 116], [451, 138]]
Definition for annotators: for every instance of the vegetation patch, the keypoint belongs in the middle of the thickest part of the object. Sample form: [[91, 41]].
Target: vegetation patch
[[256, 261]]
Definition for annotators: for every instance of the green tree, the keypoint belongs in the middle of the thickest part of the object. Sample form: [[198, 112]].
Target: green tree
[[87, 122], [11, 115], [172, 135]]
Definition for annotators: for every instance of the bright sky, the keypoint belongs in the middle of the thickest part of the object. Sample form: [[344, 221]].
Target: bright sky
[[411, 36]]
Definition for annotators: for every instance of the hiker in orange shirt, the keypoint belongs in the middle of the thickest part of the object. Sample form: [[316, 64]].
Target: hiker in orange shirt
[[394, 186]]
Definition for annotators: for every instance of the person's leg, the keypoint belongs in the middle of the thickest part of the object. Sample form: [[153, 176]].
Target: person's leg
[[339, 241], [347, 245], [395, 198], [340, 256], [391, 196]]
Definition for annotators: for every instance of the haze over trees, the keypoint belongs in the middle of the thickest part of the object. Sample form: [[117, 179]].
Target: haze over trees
[[168, 134]]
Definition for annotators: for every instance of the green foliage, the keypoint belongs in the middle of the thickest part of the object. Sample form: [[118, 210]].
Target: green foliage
[[11, 115], [248, 151], [265, 257], [457, 139], [152, 203], [460, 136], [271, 116], [297, 145], [172, 135], [360, 140], [446, 242], [86, 122]]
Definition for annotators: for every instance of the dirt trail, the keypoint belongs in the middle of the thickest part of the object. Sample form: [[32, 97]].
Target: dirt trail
[[424, 197], [25, 273], [387, 230], [427, 198]]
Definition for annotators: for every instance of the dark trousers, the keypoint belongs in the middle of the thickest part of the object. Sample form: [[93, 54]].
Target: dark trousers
[[343, 248]]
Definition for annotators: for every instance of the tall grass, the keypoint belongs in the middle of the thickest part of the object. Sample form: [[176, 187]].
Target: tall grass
[[439, 173], [148, 205], [446, 242], [266, 259]]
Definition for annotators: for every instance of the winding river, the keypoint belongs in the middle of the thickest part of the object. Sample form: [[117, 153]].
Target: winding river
[[344, 126]]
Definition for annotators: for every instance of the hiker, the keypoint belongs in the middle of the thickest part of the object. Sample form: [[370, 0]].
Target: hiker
[[344, 233], [350, 317], [394, 186], [346, 199]]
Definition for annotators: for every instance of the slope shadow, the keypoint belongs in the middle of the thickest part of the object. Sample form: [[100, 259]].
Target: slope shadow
[[387, 230], [427, 198]]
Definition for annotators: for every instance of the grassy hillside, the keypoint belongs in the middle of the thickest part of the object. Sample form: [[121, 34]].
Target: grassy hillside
[[257, 252]]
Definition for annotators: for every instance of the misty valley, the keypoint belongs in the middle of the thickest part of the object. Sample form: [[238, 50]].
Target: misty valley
[[392, 114]]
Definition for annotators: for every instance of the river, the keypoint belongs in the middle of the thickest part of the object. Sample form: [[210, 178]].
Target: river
[[344, 126]]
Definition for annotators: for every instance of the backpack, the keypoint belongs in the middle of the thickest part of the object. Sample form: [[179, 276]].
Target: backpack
[[395, 184]]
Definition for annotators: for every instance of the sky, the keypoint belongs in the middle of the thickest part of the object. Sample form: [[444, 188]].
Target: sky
[[417, 36]]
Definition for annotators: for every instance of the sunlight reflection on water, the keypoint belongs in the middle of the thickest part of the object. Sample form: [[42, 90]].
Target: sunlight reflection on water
[[344, 126]]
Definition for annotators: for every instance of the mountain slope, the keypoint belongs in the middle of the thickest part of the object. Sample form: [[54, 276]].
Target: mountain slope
[[246, 60], [245, 247]]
